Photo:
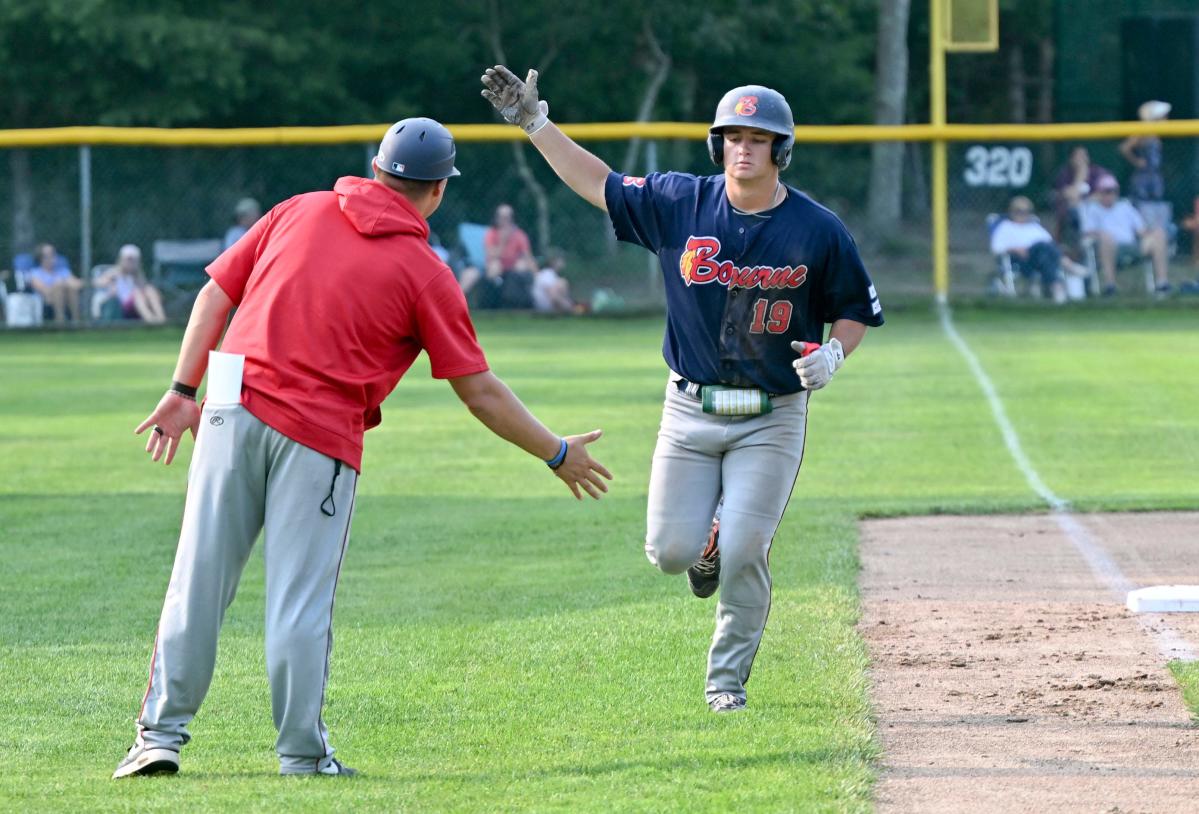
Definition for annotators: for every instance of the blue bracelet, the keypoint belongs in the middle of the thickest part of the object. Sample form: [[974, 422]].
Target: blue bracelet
[[556, 461]]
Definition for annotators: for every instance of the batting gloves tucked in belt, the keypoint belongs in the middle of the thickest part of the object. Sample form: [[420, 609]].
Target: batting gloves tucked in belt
[[817, 368], [515, 100]]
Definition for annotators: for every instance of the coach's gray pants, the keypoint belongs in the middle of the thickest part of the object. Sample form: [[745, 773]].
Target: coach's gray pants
[[753, 461], [245, 476]]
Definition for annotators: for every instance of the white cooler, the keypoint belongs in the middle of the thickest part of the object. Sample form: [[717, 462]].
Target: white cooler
[[22, 309]]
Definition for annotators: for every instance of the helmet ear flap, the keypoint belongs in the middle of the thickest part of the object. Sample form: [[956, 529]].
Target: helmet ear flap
[[716, 148], [780, 152]]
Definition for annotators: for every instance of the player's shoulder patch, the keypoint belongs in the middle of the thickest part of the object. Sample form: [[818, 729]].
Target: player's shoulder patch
[[632, 181]]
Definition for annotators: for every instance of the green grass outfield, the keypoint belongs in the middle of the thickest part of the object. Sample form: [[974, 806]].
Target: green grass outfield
[[499, 646]]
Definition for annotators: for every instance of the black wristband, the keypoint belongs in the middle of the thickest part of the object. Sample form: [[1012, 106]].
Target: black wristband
[[183, 390]]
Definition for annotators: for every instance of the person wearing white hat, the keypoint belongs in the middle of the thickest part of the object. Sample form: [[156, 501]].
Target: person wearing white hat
[[127, 283], [1144, 153], [1121, 232]]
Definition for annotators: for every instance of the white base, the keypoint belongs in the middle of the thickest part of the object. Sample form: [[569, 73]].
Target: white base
[[1164, 599]]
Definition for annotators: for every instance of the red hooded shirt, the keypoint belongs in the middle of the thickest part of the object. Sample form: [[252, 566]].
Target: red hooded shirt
[[336, 293]]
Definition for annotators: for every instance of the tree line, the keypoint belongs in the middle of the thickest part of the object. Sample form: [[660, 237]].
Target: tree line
[[221, 63]]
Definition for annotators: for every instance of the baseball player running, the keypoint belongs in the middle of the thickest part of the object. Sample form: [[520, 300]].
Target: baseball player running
[[753, 270], [337, 292]]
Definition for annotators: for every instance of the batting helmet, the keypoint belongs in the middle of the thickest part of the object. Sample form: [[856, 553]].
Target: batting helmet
[[754, 106], [420, 149]]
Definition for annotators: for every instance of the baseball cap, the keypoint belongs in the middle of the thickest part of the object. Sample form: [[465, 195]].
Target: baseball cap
[[1107, 183], [129, 250], [1154, 110]]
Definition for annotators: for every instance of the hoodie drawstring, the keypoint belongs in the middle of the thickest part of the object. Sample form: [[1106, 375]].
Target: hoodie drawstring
[[332, 510]]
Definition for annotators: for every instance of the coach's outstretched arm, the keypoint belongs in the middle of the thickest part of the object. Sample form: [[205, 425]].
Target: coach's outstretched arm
[[177, 412], [493, 403], [518, 103]]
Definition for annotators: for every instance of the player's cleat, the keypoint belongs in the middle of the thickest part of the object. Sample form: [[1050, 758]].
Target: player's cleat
[[146, 760], [726, 702], [338, 768], [704, 576], [335, 769]]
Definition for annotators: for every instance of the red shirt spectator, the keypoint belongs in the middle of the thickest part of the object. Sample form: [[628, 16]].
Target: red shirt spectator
[[506, 244]]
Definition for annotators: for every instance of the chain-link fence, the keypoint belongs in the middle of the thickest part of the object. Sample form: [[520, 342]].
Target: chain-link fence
[[985, 177], [89, 201]]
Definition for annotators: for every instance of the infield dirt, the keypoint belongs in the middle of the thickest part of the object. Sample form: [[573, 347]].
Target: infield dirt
[[1007, 678]]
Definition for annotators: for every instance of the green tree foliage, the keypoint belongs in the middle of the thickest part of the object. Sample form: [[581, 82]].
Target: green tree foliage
[[169, 62], [225, 63]]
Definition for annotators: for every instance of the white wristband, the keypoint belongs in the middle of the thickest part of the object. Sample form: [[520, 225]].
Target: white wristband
[[535, 125]]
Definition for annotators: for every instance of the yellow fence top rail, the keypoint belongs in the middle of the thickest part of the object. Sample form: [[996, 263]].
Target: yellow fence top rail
[[606, 131]]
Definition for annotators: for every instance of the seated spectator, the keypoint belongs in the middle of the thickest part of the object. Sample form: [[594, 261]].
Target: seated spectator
[[1120, 232], [1030, 246], [509, 268], [551, 291], [52, 278], [247, 212], [468, 275], [439, 249], [1073, 184], [465, 272], [127, 285]]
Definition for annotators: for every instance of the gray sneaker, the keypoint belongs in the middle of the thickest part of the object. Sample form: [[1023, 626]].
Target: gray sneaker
[[146, 760], [726, 702], [704, 576]]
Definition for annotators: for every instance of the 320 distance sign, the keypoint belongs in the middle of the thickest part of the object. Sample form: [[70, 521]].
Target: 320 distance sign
[[997, 166]]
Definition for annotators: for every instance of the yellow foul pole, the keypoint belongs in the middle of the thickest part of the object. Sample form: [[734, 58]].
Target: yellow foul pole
[[940, 185]]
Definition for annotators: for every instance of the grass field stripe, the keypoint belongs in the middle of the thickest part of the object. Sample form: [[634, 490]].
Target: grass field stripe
[[1169, 642], [1005, 426]]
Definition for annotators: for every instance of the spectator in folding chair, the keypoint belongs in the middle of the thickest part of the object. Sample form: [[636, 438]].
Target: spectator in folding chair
[[1121, 237], [126, 283], [51, 277], [1029, 248], [551, 291], [510, 265]]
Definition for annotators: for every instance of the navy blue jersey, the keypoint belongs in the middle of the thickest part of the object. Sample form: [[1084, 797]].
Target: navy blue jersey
[[740, 288]]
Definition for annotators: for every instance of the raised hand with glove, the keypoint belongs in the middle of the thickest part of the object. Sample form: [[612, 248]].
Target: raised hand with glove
[[515, 100], [816, 365]]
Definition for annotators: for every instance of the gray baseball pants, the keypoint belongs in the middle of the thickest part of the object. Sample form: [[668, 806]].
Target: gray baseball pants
[[753, 462], [246, 477]]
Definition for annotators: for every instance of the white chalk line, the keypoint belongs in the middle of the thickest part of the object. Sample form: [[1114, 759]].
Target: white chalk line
[[1170, 643]]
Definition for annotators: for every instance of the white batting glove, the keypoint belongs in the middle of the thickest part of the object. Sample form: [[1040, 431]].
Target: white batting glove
[[816, 369]]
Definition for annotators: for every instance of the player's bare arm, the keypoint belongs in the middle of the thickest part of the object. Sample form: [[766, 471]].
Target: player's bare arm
[[517, 101], [849, 333], [177, 411], [497, 407]]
